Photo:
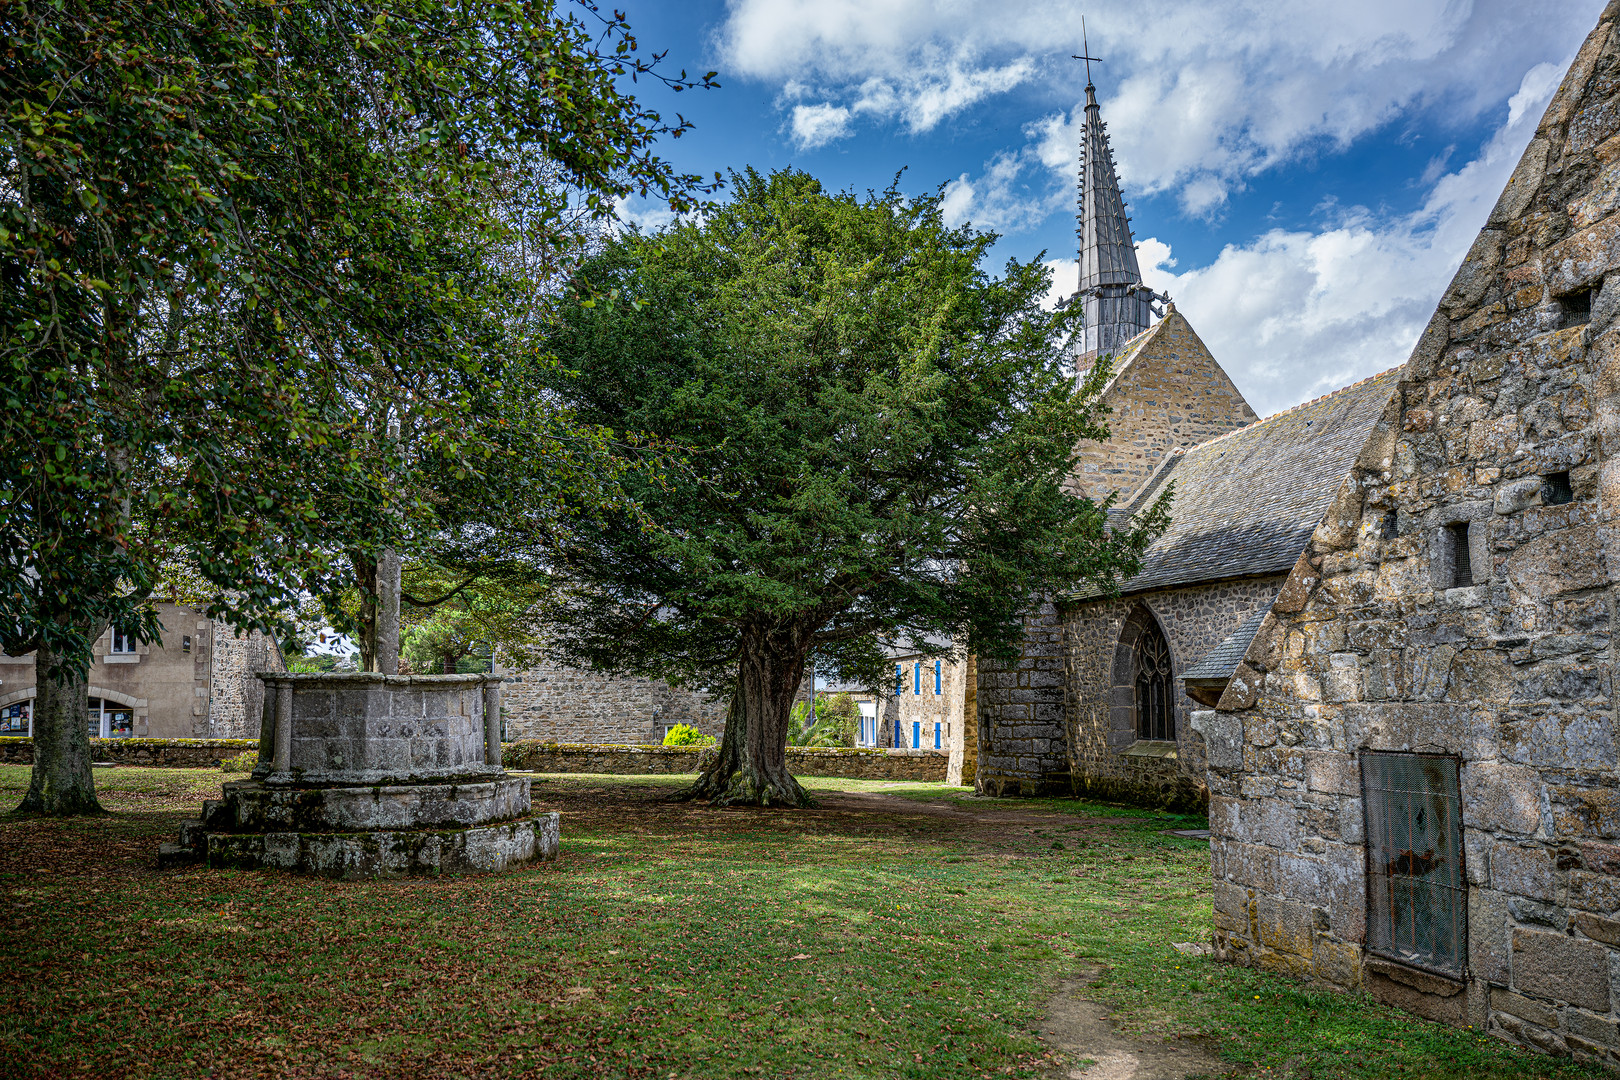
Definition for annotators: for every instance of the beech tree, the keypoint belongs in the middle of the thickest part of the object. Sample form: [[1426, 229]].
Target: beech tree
[[875, 434], [235, 235]]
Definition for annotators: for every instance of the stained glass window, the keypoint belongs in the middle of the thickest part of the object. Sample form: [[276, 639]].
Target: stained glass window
[[1155, 710]]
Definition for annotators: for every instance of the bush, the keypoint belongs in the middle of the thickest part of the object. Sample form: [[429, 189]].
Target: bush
[[241, 763], [832, 721], [686, 735], [310, 665]]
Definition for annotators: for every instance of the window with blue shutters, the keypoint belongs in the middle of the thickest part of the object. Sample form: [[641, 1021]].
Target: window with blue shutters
[[899, 677], [916, 678], [936, 733], [936, 676], [916, 734]]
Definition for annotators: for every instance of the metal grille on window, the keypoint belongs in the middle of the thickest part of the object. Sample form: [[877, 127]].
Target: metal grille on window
[[1416, 892], [1154, 716]]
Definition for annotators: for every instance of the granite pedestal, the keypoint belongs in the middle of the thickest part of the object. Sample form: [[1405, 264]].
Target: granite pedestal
[[372, 775]]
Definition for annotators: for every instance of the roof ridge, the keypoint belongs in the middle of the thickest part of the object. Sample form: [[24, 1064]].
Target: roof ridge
[[1303, 404]]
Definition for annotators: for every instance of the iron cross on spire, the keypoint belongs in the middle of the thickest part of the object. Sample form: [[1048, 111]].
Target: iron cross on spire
[[1085, 49]]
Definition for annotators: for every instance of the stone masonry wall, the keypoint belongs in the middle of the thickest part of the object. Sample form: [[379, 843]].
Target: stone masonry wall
[[157, 753], [964, 755], [1372, 645], [236, 698], [924, 765], [1168, 391], [924, 709], [553, 703], [1020, 707], [1105, 757]]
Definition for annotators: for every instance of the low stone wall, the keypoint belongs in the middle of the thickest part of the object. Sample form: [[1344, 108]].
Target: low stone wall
[[863, 764], [167, 753]]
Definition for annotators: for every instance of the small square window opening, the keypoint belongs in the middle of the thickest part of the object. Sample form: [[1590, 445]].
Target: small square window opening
[[185, 643], [1555, 489], [1389, 527], [122, 642], [1576, 307], [1462, 566]]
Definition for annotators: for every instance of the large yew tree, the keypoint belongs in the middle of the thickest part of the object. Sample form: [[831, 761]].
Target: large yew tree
[[875, 433], [236, 236]]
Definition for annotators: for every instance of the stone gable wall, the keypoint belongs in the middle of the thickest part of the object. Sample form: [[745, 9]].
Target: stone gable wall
[[1170, 393], [1101, 716], [1368, 647]]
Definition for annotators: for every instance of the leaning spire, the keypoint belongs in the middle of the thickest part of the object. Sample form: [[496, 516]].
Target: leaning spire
[[1117, 305]]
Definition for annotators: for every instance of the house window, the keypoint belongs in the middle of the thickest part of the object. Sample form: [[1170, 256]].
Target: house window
[[109, 720], [916, 677], [1555, 489], [17, 719], [1416, 891], [121, 642], [938, 675], [185, 643], [936, 734], [899, 678], [1462, 566], [1155, 715], [916, 734]]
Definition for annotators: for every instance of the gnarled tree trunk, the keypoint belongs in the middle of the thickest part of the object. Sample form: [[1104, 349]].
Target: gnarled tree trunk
[[61, 784], [750, 768]]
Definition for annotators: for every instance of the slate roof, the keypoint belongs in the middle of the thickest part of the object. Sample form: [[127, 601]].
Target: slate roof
[[1246, 502], [1224, 658]]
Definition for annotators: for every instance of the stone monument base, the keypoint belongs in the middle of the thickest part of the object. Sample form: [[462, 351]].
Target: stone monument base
[[365, 776], [368, 832]]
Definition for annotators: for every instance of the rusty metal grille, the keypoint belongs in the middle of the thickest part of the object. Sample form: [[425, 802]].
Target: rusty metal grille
[[1416, 892]]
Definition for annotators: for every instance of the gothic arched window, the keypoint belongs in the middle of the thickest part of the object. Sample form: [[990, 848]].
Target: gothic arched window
[[1155, 703]]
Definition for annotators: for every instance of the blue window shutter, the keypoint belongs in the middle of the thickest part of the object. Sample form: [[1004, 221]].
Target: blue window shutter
[[936, 676], [916, 677], [916, 734], [899, 677], [936, 734]]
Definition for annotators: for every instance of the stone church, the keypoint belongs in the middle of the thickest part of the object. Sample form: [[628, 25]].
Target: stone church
[[1100, 701], [1379, 638]]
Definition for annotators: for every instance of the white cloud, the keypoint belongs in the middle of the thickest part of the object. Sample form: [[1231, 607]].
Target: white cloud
[[1003, 199], [1295, 314], [1200, 96], [817, 125], [648, 215]]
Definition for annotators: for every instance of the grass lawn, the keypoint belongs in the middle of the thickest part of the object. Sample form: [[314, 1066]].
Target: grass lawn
[[898, 931]]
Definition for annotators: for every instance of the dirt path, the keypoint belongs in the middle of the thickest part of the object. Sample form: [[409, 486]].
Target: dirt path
[[1081, 1029]]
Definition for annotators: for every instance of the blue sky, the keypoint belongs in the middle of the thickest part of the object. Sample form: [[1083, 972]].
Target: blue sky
[[1304, 177]]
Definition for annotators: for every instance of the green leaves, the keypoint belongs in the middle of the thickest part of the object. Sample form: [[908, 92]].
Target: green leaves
[[875, 432]]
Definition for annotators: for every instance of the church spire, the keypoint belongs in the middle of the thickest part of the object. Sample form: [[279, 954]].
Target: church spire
[[1117, 305]]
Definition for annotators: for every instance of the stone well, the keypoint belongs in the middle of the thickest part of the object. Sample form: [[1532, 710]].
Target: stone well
[[371, 775]]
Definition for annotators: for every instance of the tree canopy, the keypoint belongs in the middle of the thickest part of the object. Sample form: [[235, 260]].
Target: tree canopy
[[875, 433], [235, 239]]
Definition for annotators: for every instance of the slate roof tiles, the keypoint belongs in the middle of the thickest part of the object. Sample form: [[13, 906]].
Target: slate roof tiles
[[1246, 502]]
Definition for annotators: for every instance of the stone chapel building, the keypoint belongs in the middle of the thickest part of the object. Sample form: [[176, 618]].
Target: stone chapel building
[[1413, 768], [1407, 733]]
